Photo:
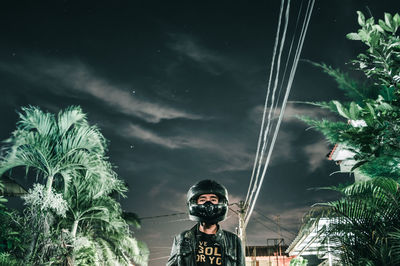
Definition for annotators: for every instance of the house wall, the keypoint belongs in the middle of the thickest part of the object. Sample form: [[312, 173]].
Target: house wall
[[268, 261]]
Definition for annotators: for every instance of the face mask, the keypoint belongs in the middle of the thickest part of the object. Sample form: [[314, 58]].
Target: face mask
[[208, 208]]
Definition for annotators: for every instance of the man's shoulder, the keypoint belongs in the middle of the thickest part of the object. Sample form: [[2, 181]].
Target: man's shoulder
[[187, 234], [230, 234], [190, 233]]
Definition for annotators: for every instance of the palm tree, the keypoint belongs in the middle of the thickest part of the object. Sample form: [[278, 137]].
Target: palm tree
[[86, 193], [55, 147], [111, 237], [364, 222], [97, 217], [68, 155]]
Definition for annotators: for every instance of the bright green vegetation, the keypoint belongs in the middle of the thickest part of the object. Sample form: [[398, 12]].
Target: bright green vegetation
[[366, 219], [71, 214], [299, 261]]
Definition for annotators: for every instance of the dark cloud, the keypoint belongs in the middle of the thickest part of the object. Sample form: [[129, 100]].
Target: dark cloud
[[178, 88], [66, 77]]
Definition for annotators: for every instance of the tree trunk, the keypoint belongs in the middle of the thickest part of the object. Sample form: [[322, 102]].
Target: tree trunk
[[32, 246], [35, 237], [73, 234], [74, 228], [49, 184]]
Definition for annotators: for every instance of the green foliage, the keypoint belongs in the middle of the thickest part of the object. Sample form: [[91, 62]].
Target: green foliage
[[52, 248], [86, 252], [78, 201], [375, 103], [331, 130], [11, 234], [381, 63], [299, 261], [365, 221], [2, 199], [40, 201], [132, 219], [352, 88], [362, 222], [6, 259], [57, 147]]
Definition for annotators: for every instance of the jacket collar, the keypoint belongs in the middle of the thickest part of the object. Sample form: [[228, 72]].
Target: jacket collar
[[197, 233]]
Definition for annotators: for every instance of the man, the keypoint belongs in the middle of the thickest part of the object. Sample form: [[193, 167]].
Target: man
[[206, 243]]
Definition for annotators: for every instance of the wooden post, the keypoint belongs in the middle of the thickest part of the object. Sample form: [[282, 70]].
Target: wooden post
[[242, 226]]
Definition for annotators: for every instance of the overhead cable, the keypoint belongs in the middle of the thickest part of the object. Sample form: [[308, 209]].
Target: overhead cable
[[161, 216], [265, 130], [251, 200], [266, 102]]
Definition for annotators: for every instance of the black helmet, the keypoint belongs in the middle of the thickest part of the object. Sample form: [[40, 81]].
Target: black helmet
[[207, 212]]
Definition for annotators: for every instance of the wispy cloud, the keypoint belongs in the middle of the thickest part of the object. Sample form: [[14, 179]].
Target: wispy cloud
[[209, 60], [316, 154], [171, 142], [76, 76], [283, 145], [293, 110], [234, 155], [283, 148], [156, 190], [291, 114]]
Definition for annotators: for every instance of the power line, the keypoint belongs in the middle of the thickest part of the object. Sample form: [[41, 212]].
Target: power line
[[159, 258], [161, 216], [266, 226], [257, 187], [234, 211], [248, 196], [271, 220], [265, 130], [170, 221], [269, 228]]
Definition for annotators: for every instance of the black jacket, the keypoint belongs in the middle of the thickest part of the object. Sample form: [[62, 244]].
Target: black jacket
[[183, 251]]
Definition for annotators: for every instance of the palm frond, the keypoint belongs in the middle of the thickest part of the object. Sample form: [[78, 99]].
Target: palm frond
[[361, 219], [69, 117], [34, 119]]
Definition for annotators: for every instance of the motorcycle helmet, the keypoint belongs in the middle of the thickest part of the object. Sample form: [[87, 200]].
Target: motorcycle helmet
[[208, 212]]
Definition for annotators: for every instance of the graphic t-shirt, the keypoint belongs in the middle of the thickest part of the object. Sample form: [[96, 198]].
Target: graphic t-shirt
[[209, 252]]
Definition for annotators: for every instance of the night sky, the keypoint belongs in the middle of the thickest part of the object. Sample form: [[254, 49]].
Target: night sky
[[178, 87]]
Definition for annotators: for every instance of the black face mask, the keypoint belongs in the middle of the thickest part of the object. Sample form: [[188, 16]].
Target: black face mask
[[207, 209], [208, 212]]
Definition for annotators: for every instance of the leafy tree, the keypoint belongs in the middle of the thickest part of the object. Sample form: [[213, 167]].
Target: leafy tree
[[55, 148], [376, 101], [365, 221], [10, 236], [97, 217], [78, 199]]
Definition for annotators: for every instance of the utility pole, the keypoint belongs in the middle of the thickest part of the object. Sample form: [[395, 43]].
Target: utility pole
[[280, 243], [279, 233], [242, 226]]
